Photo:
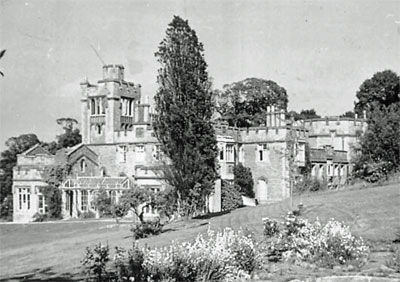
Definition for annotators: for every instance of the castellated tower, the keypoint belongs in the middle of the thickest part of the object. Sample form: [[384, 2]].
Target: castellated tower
[[108, 107]]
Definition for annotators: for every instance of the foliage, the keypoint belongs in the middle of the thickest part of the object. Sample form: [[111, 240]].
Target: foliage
[[271, 227], [379, 149], [220, 256], [102, 203], [53, 200], [303, 115], [231, 197], [183, 122], [348, 114], [394, 261], [146, 229], [309, 184], [39, 217], [136, 199], [69, 138], [95, 263], [244, 103], [243, 178], [382, 89], [165, 202], [6, 208], [87, 214], [326, 245], [16, 145]]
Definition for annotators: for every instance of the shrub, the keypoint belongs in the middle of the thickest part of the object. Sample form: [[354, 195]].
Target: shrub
[[271, 227], [39, 217], [102, 202], [146, 229], [87, 214], [219, 256], [394, 261], [231, 197], [326, 245], [95, 262], [309, 184], [244, 180]]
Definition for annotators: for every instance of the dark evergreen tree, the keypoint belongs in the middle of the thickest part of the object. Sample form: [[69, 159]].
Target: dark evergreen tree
[[183, 123], [243, 178]]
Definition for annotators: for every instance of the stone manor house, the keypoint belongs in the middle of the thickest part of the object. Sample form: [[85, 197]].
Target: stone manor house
[[119, 150]]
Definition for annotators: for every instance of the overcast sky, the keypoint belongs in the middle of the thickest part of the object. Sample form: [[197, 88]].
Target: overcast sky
[[319, 51]]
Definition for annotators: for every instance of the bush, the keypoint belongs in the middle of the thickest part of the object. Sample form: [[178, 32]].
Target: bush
[[95, 263], [220, 256], [326, 245], [231, 197], [146, 229], [87, 214], [309, 184], [271, 227], [39, 217]]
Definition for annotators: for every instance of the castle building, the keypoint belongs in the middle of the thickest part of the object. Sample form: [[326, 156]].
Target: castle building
[[331, 141], [119, 149]]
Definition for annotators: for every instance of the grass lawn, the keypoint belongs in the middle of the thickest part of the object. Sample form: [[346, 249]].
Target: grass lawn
[[52, 251]]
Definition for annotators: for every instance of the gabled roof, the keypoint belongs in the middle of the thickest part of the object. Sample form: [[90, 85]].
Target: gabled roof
[[36, 150]]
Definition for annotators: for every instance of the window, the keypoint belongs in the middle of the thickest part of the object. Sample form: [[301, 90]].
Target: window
[[157, 152], [24, 199], [42, 207], [140, 148], [221, 154], [83, 166], [122, 150], [84, 200], [262, 152], [229, 153]]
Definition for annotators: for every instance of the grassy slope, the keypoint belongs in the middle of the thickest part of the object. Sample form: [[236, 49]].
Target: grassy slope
[[54, 250]]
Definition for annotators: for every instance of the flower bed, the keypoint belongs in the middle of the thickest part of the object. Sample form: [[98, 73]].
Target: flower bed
[[324, 244]]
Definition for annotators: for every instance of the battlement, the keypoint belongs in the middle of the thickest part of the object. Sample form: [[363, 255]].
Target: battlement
[[113, 72]]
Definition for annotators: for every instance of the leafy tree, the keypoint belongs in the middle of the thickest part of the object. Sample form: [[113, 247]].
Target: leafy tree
[[54, 176], [243, 178], [231, 197], [245, 102], [102, 202], [16, 145], [349, 114], [183, 122], [69, 138], [136, 199], [165, 202], [303, 115], [379, 151], [382, 89]]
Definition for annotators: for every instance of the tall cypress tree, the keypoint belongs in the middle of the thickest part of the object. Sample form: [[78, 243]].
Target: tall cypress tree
[[183, 123]]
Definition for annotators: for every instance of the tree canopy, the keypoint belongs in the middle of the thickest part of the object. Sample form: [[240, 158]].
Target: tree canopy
[[16, 145], [303, 115], [379, 147], [382, 89], [245, 102], [183, 123]]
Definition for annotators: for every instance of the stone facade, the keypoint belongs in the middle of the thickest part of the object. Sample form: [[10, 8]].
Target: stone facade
[[331, 141], [119, 147]]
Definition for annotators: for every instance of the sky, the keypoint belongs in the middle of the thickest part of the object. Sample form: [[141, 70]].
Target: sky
[[319, 51]]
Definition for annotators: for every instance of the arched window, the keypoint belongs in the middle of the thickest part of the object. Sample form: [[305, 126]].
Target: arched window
[[83, 166], [98, 129]]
